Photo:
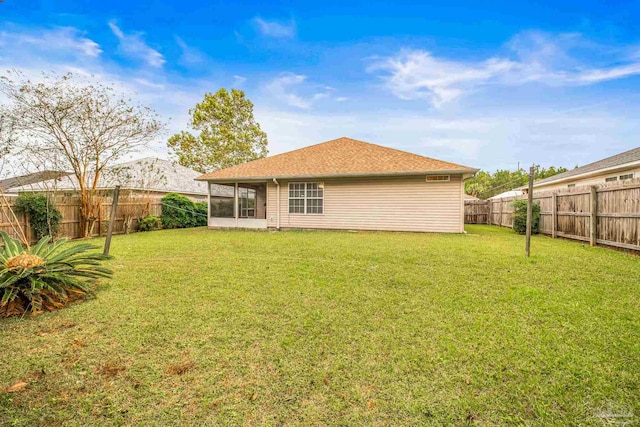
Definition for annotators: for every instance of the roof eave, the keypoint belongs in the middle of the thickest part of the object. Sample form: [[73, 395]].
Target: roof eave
[[596, 172], [338, 175]]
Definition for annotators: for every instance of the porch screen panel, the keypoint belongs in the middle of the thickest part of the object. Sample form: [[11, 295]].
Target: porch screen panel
[[221, 201]]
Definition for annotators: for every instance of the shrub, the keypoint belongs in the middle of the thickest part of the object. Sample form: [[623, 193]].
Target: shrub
[[44, 218], [46, 276], [180, 212], [520, 217], [149, 223], [201, 209]]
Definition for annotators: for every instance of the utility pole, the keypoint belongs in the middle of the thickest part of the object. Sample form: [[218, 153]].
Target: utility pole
[[529, 211], [112, 220]]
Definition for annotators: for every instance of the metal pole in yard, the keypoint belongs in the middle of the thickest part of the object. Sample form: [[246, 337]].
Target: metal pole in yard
[[529, 212], [112, 220]]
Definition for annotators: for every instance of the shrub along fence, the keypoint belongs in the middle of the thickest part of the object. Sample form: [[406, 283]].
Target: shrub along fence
[[604, 214], [129, 210]]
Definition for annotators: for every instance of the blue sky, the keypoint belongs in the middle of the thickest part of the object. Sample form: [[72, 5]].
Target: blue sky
[[479, 83]]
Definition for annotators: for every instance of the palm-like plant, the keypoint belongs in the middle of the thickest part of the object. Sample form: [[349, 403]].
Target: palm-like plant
[[46, 276]]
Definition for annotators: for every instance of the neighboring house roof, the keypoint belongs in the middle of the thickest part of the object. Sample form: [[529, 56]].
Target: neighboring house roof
[[619, 160], [339, 157], [32, 178], [148, 174], [470, 197], [510, 193]]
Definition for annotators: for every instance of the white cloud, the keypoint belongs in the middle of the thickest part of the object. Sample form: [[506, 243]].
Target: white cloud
[[416, 74], [238, 80], [289, 88], [560, 60], [68, 40], [275, 29], [134, 46], [190, 55]]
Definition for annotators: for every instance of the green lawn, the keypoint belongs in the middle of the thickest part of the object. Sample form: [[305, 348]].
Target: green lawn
[[203, 327]]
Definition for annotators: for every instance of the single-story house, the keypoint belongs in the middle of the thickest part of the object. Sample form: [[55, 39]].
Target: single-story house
[[341, 184], [148, 177], [621, 167]]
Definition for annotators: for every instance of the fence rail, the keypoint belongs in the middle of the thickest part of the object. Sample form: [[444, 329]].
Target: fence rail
[[70, 210], [605, 215]]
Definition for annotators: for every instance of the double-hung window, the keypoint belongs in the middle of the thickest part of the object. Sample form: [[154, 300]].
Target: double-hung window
[[306, 198]]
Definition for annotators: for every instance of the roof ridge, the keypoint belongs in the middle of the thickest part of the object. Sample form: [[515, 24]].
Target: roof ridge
[[341, 156], [402, 151]]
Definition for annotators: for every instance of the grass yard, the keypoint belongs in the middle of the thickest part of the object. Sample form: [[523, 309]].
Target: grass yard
[[204, 327]]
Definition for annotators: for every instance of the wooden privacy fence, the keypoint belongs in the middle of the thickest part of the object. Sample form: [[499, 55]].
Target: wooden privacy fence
[[605, 215], [70, 210]]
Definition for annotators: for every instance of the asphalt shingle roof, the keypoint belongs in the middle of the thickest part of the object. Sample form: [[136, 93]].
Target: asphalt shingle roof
[[338, 157], [630, 156], [143, 174]]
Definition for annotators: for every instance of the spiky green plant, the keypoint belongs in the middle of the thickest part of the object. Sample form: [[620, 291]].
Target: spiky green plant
[[46, 276]]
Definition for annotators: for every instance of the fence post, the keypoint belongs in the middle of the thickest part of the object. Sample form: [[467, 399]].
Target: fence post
[[554, 215], [100, 219], [529, 211], [593, 229], [490, 205], [500, 213], [112, 220], [27, 228]]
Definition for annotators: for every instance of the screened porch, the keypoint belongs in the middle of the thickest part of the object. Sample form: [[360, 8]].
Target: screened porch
[[238, 205]]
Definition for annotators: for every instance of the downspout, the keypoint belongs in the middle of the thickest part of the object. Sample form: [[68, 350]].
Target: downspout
[[275, 181], [208, 202]]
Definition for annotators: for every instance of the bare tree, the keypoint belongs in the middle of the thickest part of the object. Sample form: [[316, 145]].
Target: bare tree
[[87, 124], [6, 208], [135, 199]]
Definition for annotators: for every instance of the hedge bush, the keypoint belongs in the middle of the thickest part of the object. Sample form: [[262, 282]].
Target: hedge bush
[[520, 217], [149, 223], [44, 217], [180, 212]]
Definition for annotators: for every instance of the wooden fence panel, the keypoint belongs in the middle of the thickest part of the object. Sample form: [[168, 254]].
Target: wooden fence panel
[[619, 215], [573, 215], [70, 210], [476, 212], [567, 213], [546, 213]]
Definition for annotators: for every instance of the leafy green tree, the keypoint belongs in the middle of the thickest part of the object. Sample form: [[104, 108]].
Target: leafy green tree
[[485, 184], [228, 133]]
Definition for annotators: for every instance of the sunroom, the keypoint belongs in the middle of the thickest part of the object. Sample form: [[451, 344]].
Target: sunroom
[[238, 205]]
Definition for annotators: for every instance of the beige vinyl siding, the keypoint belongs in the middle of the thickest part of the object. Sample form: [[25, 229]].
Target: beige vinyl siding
[[383, 203]]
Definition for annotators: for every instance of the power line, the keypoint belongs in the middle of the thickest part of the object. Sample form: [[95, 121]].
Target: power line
[[182, 209], [514, 182]]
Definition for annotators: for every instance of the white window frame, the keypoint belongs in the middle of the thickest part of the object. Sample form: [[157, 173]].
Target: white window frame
[[447, 178], [304, 198], [626, 176], [611, 179]]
